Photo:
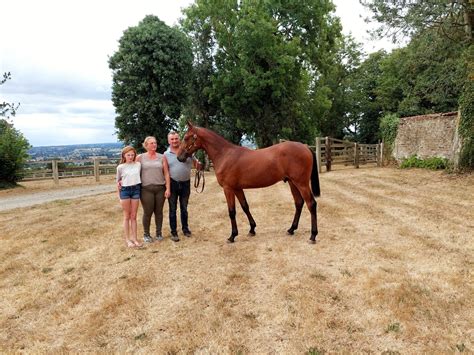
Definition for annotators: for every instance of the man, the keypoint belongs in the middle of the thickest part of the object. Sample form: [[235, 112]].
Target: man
[[180, 174]]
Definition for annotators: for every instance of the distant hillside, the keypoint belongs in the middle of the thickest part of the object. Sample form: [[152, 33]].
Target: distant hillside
[[76, 151]]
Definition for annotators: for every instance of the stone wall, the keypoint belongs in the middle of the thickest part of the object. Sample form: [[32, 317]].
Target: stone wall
[[427, 136]]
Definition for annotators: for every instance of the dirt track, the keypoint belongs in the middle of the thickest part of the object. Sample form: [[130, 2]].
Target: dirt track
[[31, 199], [392, 271]]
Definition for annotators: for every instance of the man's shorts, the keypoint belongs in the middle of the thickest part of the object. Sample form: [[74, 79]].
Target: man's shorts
[[132, 192]]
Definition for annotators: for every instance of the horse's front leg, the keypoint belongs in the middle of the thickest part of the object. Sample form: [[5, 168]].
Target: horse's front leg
[[245, 206], [230, 197]]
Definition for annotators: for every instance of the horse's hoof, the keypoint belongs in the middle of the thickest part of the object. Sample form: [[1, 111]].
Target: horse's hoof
[[312, 241], [252, 234], [230, 240], [290, 232]]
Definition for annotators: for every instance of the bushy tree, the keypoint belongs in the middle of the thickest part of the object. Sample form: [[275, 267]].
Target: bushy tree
[[401, 18], [426, 76], [338, 108], [466, 125], [267, 58], [13, 154], [151, 72], [13, 145]]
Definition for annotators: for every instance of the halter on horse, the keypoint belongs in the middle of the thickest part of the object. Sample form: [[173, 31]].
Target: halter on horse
[[238, 168]]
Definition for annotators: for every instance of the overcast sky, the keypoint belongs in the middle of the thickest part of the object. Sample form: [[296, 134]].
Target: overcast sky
[[57, 52]]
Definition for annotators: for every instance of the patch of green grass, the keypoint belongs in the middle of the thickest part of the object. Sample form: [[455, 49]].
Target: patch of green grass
[[317, 275], [68, 270], [345, 272], [315, 351], [4, 185], [461, 347], [435, 163], [393, 327], [64, 202], [140, 336], [46, 270]]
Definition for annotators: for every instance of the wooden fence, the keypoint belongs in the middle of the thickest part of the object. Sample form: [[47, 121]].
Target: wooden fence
[[62, 169], [331, 151]]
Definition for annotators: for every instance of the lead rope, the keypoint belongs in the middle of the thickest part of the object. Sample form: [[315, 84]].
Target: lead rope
[[197, 180]]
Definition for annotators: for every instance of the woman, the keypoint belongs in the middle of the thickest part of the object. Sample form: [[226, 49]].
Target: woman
[[155, 179], [128, 180]]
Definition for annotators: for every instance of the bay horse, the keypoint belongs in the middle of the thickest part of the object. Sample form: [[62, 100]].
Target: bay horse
[[238, 168]]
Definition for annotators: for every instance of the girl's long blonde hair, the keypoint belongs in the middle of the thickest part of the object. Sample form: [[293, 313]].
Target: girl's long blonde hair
[[125, 150]]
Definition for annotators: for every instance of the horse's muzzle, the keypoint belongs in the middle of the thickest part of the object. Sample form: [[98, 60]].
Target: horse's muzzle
[[182, 157]]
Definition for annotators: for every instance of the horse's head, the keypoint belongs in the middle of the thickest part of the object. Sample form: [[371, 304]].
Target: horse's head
[[190, 143]]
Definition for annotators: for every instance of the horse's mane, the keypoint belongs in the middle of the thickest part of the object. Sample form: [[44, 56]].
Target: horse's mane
[[214, 137]]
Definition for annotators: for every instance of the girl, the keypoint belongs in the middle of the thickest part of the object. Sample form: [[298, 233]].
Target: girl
[[129, 183]]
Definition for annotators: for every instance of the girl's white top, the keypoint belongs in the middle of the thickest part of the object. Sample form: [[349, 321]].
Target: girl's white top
[[129, 173]]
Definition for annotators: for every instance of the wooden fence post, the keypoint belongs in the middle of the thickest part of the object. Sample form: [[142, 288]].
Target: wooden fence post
[[328, 154], [356, 155], [381, 154], [96, 169], [318, 153], [54, 165]]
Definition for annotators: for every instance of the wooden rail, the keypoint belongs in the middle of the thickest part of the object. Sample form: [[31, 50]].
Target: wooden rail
[[62, 169], [331, 151]]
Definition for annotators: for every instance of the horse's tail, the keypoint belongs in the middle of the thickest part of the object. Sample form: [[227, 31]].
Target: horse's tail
[[315, 177]]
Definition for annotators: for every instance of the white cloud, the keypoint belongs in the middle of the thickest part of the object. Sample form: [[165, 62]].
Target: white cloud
[[57, 52]]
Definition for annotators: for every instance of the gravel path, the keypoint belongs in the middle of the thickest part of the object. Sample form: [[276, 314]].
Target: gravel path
[[8, 203]]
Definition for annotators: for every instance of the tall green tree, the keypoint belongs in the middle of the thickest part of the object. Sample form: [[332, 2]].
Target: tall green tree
[[13, 145], [338, 107], [151, 72], [364, 85], [267, 57], [13, 154], [426, 76], [400, 18]]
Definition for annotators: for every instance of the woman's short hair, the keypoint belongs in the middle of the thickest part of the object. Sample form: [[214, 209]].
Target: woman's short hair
[[147, 139]]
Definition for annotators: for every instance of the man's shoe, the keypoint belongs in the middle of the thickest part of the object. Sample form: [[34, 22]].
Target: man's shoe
[[187, 232], [159, 237], [174, 237], [147, 238]]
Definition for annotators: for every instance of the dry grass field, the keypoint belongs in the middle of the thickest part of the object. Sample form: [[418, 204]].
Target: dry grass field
[[391, 272]]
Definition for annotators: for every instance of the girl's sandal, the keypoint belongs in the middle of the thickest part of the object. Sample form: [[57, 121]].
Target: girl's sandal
[[137, 243], [131, 244]]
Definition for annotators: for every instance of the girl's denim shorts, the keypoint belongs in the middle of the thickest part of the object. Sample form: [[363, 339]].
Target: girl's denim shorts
[[132, 192]]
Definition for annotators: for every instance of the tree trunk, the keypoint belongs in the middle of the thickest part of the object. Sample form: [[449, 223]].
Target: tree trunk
[[468, 18]]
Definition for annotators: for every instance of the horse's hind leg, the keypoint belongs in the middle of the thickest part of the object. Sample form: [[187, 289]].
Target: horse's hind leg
[[245, 206], [299, 202], [312, 206], [230, 197]]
